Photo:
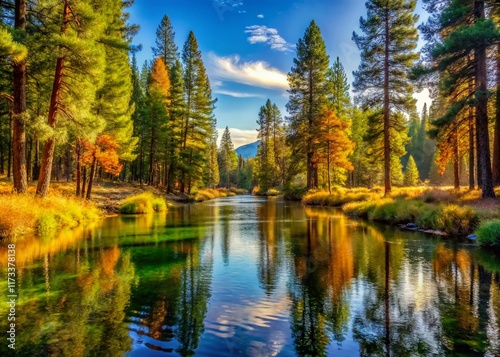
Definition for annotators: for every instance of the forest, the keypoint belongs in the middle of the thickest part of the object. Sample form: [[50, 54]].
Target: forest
[[75, 105]]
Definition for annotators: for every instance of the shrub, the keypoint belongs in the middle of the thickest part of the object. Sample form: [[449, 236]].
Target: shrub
[[457, 220], [272, 192], [488, 233], [359, 209], [142, 203]]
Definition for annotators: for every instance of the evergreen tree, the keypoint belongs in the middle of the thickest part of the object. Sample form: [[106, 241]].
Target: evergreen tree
[[165, 43], [308, 101], [387, 54], [461, 29], [338, 90], [411, 173], [228, 160], [77, 75], [197, 128]]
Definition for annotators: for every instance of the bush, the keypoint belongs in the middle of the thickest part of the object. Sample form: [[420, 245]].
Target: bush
[[488, 233], [457, 220], [143, 203], [359, 209]]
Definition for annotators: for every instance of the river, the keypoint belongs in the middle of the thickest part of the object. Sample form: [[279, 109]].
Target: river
[[247, 276]]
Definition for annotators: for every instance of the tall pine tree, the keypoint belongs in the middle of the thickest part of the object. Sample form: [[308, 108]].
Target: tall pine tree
[[387, 53]]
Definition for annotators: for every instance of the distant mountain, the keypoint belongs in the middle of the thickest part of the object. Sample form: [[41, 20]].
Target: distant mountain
[[248, 150]]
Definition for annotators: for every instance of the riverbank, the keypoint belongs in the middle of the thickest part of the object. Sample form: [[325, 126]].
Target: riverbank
[[444, 211]]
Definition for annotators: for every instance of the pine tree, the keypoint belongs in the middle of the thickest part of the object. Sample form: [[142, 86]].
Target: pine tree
[[77, 76], [338, 90], [197, 128], [228, 160], [165, 44], [158, 90], [387, 54], [19, 117], [308, 101], [463, 30], [411, 173]]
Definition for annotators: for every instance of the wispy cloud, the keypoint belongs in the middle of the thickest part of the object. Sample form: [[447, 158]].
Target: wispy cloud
[[258, 74], [239, 137], [270, 36], [237, 94], [260, 16]]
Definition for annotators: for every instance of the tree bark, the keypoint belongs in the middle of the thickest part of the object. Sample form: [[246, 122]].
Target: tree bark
[[19, 110], [496, 139], [42, 188], [387, 114], [91, 178], [456, 161], [78, 167], [482, 111], [472, 165]]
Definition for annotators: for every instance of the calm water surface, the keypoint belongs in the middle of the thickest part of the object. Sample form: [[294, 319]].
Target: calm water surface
[[245, 276]]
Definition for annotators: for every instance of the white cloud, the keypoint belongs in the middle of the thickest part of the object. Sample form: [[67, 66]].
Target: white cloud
[[264, 34], [239, 137], [423, 97], [258, 74], [260, 16], [237, 94]]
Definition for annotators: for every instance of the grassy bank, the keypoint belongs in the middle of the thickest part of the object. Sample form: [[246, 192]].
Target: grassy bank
[[211, 193], [456, 212], [143, 203], [21, 214]]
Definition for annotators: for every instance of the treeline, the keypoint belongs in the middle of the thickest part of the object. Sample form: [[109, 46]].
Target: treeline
[[75, 106], [328, 140]]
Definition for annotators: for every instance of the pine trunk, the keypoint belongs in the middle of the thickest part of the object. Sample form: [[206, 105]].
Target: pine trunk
[[9, 161], [456, 161], [42, 188], [19, 126], [482, 112], [78, 168], [387, 117], [496, 139], [472, 182], [91, 178]]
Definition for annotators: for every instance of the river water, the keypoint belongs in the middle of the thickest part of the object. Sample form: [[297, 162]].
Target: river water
[[246, 276]]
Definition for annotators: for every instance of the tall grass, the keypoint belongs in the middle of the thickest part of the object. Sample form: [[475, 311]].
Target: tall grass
[[211, 193], [449, 218], [338, 197], [143, 203], [20, 214]]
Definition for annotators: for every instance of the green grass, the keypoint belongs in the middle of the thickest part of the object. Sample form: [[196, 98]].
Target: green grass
[[488, 233], [142, 204]]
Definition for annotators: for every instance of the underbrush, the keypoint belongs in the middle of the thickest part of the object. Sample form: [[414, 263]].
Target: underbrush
[[20, 214], [143, 203]]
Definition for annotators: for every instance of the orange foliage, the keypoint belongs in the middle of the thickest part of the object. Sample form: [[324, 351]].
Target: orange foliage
[[336, 142], [104, 151], [159, 80]]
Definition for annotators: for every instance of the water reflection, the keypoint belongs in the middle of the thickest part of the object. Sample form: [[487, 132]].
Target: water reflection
[[252, 277]]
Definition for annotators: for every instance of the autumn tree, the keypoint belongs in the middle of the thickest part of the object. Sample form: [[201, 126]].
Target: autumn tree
[[387, 53], [307, 102], [336, 145]]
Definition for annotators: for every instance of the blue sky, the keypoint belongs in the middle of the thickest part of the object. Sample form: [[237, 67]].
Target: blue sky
[[248, 46]]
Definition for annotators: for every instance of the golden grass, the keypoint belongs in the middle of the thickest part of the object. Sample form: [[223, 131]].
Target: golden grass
[[143, 203], [211, 193], [20, 214]]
